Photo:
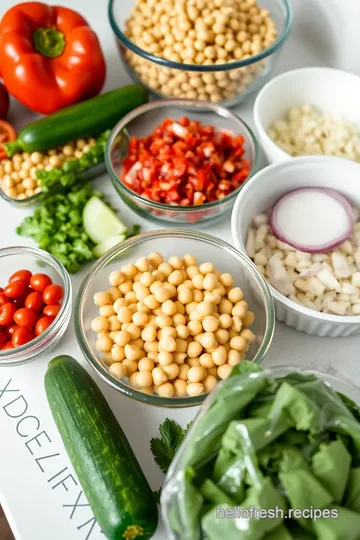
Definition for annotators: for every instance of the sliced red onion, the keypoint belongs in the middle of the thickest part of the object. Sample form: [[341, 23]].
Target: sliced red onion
[[313, 219]]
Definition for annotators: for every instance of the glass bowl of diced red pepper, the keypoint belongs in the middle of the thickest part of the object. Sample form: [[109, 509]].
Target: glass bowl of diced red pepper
[[35, 304], [181, 160]]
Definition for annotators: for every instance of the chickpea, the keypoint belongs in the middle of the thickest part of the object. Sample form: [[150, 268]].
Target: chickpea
[[144, 378], [68, 150], [222, 336], [171, 288], [103, 344], [124, 315], [235, 295], [179, 308], [116, 278], [219, 356], [169, 308], [206, 360], [165, 358], [151, 346], [159, 376], [148, 333], [178, 319], [114, 323], [189, 260], [100, 324], [143, 295], [248, 335], [122, 338], [194, 349], [147, 279], [168, 344], [158, 276], [192, 271], [208, 340], [134, 331], [131, 366], [171, 371], [180, 387], [167, 331], [185, 295], [233, 357], [205, 309], [117, 370], [107, 311], [132, 352], [155, 259], [101, 298], [140, 319], [210, 324], [249, 318], [209, 383], [118, 304], [162, 294], [198, 281], [182, 331], [166, 390], [117, 353], [36, 158], [179, 357], [238, 343], [197, 296], [143, 264], [130, 298], [224, 371], [195, 389], [126, 286]]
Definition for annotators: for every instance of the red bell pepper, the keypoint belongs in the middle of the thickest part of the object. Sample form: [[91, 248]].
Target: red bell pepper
[[49, 56]]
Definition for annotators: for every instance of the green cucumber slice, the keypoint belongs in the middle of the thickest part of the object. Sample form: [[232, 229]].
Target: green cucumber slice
[[100, 222], [102, 248]]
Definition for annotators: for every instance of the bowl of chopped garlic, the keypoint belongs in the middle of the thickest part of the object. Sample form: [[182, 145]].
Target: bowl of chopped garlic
[[164, 316], [316, 293], [218, 51], [309, 111]]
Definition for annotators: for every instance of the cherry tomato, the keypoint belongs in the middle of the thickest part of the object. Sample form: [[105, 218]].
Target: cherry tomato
[[34, 301], [9, 345], [3, 298], [4, 102], [42, 325], [15, 289], [7, 312], [53, 294], [22, 336], [3, 340], [25, 317], [52, 310], [39, 282], [10, 329], [7, 133], [21, 275]]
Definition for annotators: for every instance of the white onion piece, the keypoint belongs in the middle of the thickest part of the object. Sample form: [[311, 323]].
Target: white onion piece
[[315, 220]]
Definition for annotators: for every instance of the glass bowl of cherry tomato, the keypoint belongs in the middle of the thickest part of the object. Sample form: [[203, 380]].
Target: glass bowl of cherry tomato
[[181, 160], [35, 304]]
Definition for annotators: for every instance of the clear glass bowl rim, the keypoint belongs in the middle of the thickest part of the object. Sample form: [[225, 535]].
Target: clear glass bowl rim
[[8, 358], [206, 68], [153, 235], [178, 102]]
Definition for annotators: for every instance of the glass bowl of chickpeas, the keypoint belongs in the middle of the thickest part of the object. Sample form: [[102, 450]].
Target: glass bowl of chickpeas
[[217, 50], [166, 315]]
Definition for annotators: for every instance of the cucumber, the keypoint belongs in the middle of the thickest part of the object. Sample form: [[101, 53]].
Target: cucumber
[[109, 473], [100, 222], [86, 119], [102, 248]]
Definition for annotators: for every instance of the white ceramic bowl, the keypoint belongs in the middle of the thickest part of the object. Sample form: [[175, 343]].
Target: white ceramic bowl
[[329, 90], [261, 192]]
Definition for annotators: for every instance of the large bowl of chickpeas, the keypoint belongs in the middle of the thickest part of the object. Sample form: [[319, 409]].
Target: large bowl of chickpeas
[[217, 50], [166, 315]]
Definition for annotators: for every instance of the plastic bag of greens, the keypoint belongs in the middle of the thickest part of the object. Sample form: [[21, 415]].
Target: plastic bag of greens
[[270, 440]]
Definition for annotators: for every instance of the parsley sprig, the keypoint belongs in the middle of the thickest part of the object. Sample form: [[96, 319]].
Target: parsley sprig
[[165, 447]]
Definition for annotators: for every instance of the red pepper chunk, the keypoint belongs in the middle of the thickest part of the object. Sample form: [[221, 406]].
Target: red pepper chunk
[[186, 163]]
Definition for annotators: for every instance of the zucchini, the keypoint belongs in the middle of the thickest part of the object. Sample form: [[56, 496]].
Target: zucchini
[[86, 119], [109, 473]]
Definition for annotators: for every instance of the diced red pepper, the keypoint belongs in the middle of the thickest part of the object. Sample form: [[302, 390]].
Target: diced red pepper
[[186, 163]]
